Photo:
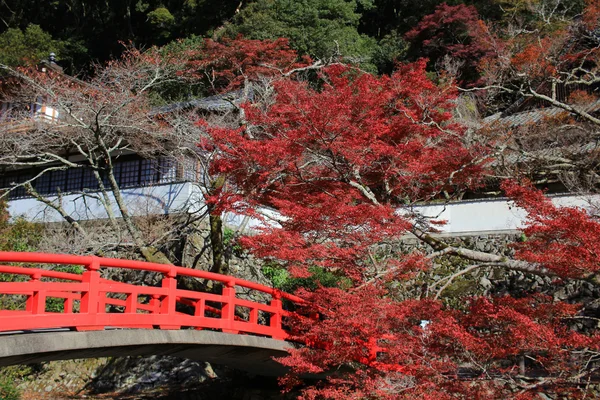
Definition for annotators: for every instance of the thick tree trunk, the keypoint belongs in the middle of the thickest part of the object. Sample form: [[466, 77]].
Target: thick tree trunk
[[216, 241], [216, 232]]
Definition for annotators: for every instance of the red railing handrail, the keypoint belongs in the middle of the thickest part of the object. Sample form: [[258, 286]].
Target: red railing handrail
[[106, 262], [6, 269], [158, 306]]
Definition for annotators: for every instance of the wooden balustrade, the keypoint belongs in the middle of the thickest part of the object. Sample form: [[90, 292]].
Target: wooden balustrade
[[90, 302]]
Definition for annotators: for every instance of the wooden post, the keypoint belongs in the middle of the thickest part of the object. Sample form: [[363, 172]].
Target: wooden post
[[169, 300], [68, 304], [275, 322], [131, 303], [90, 298], [199, 309], [36, 303], [228, 310]]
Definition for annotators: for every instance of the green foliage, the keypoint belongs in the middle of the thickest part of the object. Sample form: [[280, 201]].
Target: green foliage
[[142, 7], [22, 235], [278, 275], [179, 90], [281, 279], [82, 31], [70, 269], [319, 28], [19, 372], [391, 50], [161, 17], [27, 47], [230, 241], [96, 30], [7, 390], [18, 235], [162, 22]]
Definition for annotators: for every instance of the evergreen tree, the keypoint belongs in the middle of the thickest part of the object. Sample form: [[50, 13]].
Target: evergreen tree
[[319, 28]]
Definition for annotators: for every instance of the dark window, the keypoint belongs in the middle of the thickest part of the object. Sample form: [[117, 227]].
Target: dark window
[[58, 181], [148, 172], [168, 170], [19, 192], [89, 180], [42, 184], [129, 173], [116, 172], [74, 180], [190, 170]]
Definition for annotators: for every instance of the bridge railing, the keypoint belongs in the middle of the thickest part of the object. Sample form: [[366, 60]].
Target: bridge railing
[[90, 302]]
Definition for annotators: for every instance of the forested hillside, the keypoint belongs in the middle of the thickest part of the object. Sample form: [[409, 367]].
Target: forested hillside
[[338, 117], [372, 32]]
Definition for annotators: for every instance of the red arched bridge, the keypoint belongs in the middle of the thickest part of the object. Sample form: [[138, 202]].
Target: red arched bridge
[[50, 315]]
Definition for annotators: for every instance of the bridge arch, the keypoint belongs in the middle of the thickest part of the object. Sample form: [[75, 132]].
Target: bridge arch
[[249, 353], [103, 317]]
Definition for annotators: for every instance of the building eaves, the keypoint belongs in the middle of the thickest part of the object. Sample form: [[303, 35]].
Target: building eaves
[[533, 116], [217, 103]]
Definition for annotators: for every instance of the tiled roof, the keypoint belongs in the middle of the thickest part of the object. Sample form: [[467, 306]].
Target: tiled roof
[[549, 153], [221, 102], [532, 116]]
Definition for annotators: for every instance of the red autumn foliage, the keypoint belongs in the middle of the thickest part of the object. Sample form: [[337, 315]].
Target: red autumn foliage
[[336, 160], [454, 31], [226, 64], [591, 14], [564, 56], [565, 240], [389, 352], [536, 59]]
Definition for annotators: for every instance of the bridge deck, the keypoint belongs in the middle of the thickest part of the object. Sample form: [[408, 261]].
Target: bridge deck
[[250, 353], [91, 316]]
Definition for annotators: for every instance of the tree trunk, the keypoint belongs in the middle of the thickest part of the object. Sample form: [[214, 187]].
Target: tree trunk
[[216, 231], [216, 242]]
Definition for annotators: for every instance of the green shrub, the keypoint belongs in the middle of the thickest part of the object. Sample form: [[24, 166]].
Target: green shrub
[[278, 275], [230, 241], [280, 278], [8, 391]]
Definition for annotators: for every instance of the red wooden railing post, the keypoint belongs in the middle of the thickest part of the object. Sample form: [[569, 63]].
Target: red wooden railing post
[[68, 304], [131, 303], [36, 302], [199, 310], [253, 317], [228, 311], [276, 317], [155, 304], [169, 299], [90, 298]]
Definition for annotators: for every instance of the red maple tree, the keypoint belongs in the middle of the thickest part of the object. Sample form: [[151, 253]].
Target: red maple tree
[[550, 66], [456, 32], [336, 161], [558, 235], [341, 160], [228, 64]]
